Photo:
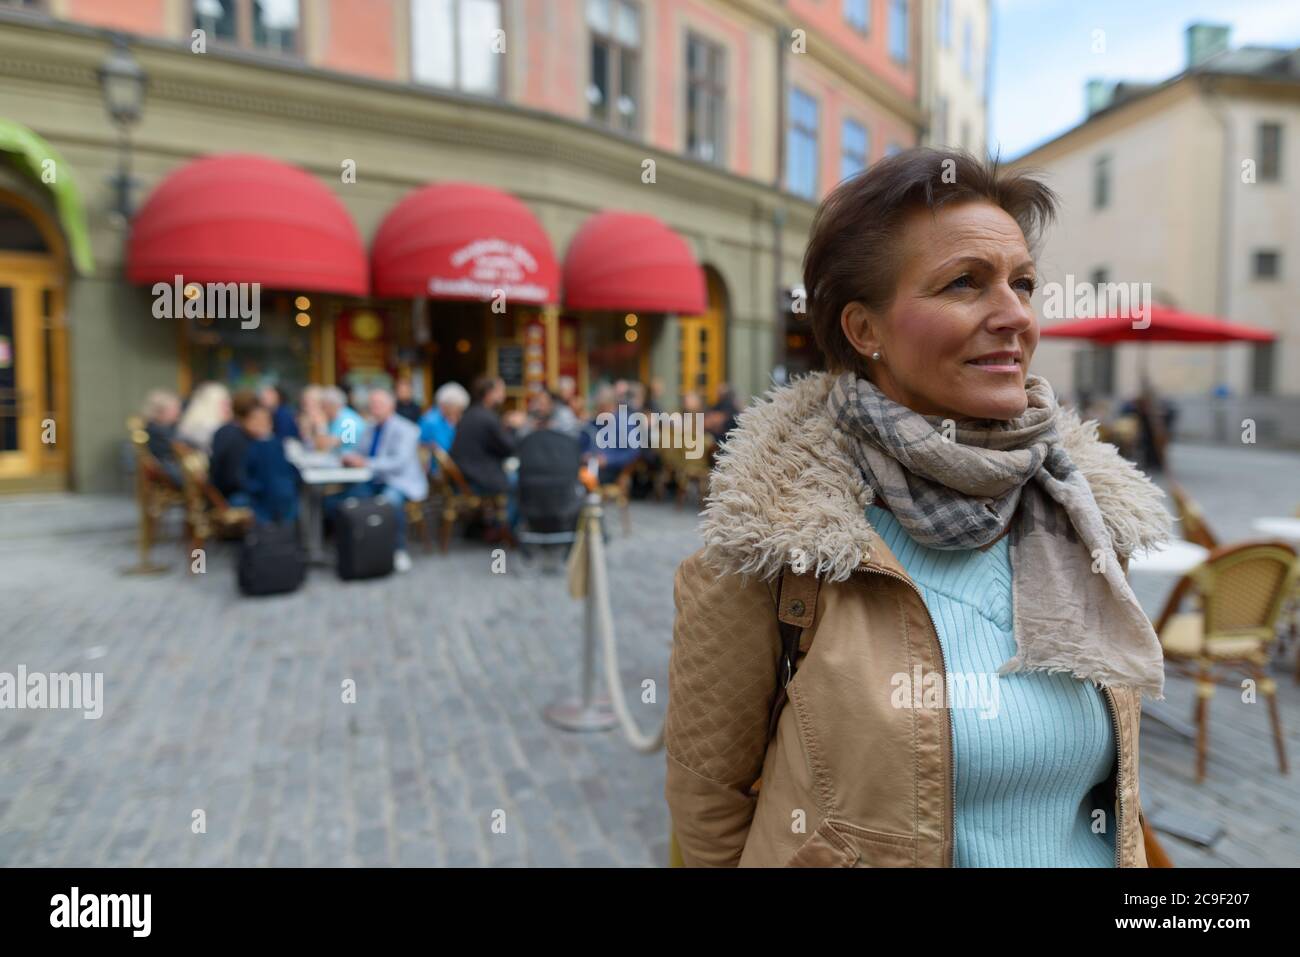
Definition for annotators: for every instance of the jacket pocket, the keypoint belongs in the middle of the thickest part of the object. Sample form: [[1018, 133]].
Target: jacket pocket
[[824, 848]]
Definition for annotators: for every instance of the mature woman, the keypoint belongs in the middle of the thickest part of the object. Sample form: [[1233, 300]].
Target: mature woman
[[207, 411], [934, 549]]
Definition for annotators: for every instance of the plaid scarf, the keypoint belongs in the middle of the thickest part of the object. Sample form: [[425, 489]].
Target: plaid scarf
[[956, 484]]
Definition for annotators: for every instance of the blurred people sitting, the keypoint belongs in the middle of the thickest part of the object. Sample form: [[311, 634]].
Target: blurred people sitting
[[274, 400], [207, 411], [161, 411], [345, 424], [392, 453], [546, 411], [438, 425], [721, 416], [407, 407], [483, 440], [312, 421], [610, 437], [230, 447], [269, 484]]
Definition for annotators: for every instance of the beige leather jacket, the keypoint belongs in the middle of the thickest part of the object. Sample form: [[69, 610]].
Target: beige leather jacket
[[847, 779]]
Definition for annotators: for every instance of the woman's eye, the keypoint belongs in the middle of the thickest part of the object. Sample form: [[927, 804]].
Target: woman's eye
[[961, 282], [1027, 284]]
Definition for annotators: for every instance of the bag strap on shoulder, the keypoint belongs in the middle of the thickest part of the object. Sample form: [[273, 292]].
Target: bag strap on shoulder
[[796, 609]]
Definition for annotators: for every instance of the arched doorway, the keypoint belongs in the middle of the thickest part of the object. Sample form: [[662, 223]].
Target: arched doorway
[[35, 430], [702, 364]]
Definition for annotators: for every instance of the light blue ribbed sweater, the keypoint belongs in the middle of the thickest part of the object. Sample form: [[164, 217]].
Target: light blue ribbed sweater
[[1024, 774]]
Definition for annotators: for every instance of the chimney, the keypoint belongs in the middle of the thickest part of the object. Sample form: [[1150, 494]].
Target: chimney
[[1097, 95], [1205, 40]]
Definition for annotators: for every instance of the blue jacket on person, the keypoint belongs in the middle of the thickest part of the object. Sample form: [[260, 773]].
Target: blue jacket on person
[[283, 424], [270, 481]]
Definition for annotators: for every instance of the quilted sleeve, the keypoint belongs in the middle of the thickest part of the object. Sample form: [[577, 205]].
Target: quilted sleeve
[[721, 685]]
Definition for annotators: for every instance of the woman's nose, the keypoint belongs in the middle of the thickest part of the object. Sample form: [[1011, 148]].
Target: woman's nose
[[1008, 311]]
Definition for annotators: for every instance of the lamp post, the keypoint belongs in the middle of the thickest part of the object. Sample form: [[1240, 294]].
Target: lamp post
[[123, 82]]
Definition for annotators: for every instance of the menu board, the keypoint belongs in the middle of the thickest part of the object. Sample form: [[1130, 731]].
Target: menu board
[[510, 364]]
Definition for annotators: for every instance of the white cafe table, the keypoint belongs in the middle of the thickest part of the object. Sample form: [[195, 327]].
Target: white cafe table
[[1175, 558], [316, 478], [1284, 528]]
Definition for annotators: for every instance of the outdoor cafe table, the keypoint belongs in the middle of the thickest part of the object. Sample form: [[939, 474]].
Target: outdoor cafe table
[[1284, 528], [1175, 558], [318, 474]]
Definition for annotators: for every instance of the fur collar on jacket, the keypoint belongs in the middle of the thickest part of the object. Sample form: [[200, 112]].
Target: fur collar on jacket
[[786, 481]]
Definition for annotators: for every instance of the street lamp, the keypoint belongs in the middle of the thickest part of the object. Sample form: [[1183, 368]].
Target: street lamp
[[122, 81]]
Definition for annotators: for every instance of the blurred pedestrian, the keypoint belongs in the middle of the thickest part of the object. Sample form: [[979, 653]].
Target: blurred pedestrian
[[407, 407], [276, 403]]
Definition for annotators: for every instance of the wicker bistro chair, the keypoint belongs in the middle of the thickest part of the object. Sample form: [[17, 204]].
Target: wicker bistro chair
[[685, 472], [618, 492], [459, 501], [207, 513], [1192, 518], [417, 515], [154, 491], [1241, 590]]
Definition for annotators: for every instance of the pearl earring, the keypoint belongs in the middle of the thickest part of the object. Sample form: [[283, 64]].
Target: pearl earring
[[876, 356]]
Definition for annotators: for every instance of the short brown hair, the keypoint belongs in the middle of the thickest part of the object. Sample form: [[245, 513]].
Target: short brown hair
[[243, 402], [853, 253]]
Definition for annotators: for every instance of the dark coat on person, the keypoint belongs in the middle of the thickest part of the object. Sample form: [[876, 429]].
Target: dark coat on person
[[270, 480], [226, 464], [482, 443]]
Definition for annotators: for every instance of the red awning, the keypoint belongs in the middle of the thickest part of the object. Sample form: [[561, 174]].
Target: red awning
[[1166, 325], [244, 218], [463, 241], [630, 261]]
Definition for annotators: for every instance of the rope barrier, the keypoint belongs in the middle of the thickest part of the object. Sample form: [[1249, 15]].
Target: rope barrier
[[588, 579]]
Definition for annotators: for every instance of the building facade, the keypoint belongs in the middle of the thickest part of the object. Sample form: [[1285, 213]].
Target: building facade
[[712, 127], [956, 36], [1190, 185]]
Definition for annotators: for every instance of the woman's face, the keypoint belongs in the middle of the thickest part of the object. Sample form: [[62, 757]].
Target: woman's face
[[957, 339]]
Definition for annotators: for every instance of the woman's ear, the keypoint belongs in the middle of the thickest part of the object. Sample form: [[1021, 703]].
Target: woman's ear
[[859, 329]]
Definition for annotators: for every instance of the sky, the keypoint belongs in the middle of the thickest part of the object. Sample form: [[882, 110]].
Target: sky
[[1042, 53]]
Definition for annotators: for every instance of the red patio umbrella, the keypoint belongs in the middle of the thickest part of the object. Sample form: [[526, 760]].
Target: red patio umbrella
[[1166, 324]]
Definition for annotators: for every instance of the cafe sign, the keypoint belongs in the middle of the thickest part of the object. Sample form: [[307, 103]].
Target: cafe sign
[[488, 269]]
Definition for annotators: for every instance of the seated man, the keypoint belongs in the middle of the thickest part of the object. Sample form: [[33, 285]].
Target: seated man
[[270, 482], [483, 442], [162, 410], [611, 439], [345, 425], [392, 447]]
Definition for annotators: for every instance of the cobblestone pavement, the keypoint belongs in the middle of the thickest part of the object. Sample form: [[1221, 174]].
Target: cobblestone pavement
[[234, 706]]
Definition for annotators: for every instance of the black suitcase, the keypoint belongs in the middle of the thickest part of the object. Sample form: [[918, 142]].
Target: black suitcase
[[366, 531], [271, 561]]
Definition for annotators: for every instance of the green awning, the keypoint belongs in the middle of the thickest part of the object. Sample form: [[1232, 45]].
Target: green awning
[[29, 153]]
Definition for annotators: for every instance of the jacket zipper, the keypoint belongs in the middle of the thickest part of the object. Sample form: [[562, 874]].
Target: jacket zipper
[[947, 715], [1119, 773]]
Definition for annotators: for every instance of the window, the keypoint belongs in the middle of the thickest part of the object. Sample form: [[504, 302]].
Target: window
[[1101, 182], [853, 148], [452, 45], [1270, 152], [614, 93], [965, 134], [1267, 264], [1262, 362], [274, 25], [706, 99], [801, 145], [893, 149], [939, 132], [967, 50], [900, 31], [857, 14], [945, 24]]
